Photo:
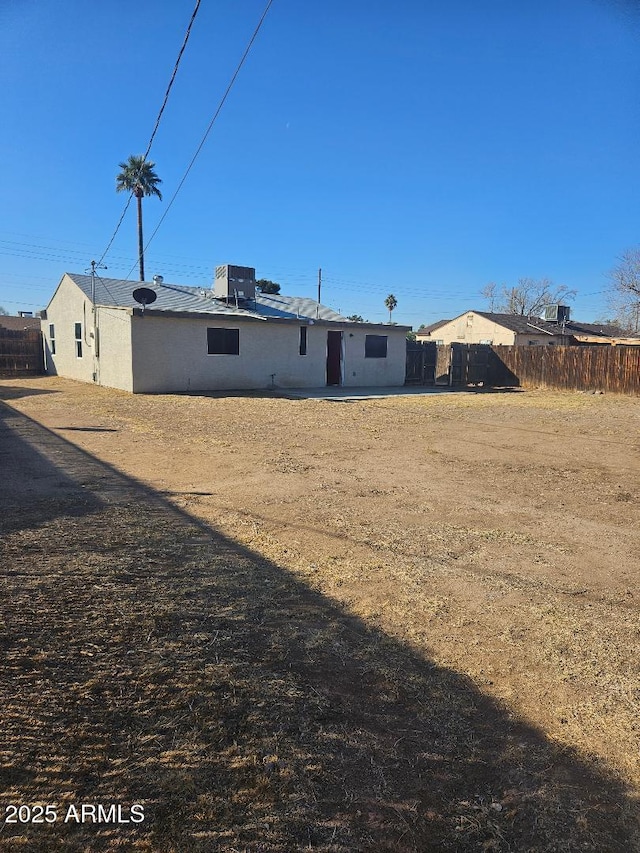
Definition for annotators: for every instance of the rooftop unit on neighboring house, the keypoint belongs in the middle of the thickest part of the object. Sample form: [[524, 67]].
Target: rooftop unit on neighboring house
[[556, 313], [235, 283]]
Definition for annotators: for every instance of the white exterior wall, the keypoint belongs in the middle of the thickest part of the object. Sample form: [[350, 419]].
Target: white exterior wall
[[114, 348], [109, 363], [69, 306], [170, 355], [371, 372], [471, 328]]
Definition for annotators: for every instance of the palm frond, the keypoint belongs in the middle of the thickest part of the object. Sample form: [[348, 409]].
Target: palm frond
[[138, 175]]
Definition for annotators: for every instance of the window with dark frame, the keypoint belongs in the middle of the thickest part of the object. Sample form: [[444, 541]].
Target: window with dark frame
[[375, 346], [223, 341], [52, 338], [78, 335], [303, 340]]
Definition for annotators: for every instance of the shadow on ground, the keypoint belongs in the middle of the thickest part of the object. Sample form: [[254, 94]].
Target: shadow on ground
[[150, 660], [14, 392]]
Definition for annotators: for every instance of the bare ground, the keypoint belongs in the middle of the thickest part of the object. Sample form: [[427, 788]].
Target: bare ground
[[407, 624]]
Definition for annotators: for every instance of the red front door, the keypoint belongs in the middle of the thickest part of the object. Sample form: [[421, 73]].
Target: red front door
[[334, 358]]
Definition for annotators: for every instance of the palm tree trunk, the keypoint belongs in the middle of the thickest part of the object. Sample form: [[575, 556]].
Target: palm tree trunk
[[140, 240]]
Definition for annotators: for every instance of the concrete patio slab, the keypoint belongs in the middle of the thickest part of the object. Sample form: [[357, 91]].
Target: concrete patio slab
[[341, 393]]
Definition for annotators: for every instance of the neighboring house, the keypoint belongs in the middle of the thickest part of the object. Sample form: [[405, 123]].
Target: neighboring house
[[19, 324], [424, 332], [199, 339], [481, 327]]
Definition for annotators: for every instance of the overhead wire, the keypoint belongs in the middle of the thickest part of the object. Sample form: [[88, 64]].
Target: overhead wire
[[104, 284], [157, 124], [209, 128], [43, 252]]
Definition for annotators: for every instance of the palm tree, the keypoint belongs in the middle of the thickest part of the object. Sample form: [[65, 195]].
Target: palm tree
[[138, 177], [391, 302]]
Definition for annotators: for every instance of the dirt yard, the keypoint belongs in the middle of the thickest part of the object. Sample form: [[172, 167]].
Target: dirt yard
[[405, 624]]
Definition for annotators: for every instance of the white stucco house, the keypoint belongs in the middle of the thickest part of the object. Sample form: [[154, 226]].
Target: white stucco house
[[229, 337]]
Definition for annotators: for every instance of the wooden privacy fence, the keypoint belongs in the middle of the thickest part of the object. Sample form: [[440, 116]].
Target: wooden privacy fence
[[576, 368], [421, 363], [21, 352]]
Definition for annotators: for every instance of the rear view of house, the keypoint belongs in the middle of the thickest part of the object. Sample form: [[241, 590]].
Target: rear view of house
[[227, 337]]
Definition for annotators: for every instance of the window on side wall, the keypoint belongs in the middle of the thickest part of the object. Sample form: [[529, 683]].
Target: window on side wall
[[52, 338], [533, 343], [303, 340], [375, 346], [223, 341], [78, 337]]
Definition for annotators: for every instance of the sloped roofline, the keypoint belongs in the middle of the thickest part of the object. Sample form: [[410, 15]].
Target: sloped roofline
[[522, 324], [199, 305]]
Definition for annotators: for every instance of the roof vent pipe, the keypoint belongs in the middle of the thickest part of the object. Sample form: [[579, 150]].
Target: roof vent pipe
[[158, 279]]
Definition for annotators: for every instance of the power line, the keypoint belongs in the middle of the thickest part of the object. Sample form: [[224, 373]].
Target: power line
[[157, 124], [426, 293], [32, 304], [104, 284], [208, 130], [173, 77]]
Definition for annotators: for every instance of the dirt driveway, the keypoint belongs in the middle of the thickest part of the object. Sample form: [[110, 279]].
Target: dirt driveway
[[440, 595]]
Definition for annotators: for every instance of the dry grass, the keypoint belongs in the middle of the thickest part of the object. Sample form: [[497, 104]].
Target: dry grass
[[328, 638]]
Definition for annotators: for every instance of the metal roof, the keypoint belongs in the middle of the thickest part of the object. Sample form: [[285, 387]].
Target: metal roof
[[176, 298]]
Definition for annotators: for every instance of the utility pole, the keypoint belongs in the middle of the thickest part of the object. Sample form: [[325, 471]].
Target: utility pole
[[319, 291], [94, 320], [94, 266]]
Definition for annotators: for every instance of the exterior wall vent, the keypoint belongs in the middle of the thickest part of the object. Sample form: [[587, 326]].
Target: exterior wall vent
[[235, 283]]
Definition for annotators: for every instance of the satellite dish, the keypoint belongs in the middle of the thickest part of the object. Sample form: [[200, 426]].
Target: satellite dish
[[145, 296]]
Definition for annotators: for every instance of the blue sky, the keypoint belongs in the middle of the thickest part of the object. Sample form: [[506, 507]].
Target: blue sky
[[417, 148]]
